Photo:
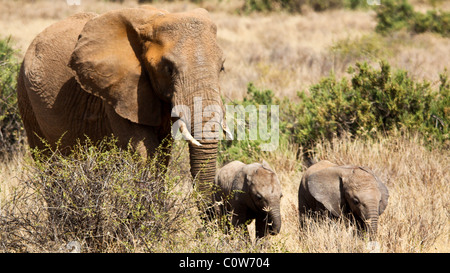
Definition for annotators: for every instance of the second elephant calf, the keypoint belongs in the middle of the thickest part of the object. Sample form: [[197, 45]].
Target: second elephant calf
[[339, 190]]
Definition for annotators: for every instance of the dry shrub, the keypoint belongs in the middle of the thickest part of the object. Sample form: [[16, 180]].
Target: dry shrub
[[107, 199]]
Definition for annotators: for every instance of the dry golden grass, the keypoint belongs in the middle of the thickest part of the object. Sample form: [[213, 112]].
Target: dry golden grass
[[286, 53], [11, 171], [417, 217], [282, 52]]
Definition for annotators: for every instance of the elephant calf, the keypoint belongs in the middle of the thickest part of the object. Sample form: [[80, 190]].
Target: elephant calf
[[249, 192], [326, 186]]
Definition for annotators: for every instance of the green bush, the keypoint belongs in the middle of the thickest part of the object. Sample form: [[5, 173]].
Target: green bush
[[153, 1], [369, 47], [372, 102], [294, 6], [319, 5], [11, 128], [432, 21], [394, 15], [248, 149]]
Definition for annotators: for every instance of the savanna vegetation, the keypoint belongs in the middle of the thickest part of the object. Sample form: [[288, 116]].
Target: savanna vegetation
[[354, 83]]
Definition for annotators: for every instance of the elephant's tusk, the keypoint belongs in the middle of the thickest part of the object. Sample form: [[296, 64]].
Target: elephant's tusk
[[185, 133], [228, 134]]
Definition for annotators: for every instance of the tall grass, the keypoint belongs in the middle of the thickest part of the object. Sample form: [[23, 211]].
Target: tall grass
[[417, 217]]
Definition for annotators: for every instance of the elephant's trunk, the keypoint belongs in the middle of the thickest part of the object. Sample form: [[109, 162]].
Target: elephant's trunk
[[372, 224], [203, 167], [373, 228], [206, 107], [275, 217]]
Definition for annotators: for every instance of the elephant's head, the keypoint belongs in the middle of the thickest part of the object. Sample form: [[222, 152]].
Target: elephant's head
[[264, 190], [145, 62], [350, 189]]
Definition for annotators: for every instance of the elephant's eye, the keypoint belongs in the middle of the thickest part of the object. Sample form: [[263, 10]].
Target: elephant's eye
[[222, 68], [169, 69], [259, 196], [355, 201], [168, 66]]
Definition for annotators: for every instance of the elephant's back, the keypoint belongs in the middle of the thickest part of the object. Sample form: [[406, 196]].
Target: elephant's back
[[45, 63], [324, 164], [45, 76], [226, 175]]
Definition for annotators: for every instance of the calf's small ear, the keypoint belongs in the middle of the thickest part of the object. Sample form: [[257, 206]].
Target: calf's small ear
[[384, 195], [266, 165], [249, 171], [326, 187]]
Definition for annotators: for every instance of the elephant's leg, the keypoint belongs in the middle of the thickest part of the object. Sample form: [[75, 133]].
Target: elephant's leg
[[223, 216], [261, 225], [240, 220]]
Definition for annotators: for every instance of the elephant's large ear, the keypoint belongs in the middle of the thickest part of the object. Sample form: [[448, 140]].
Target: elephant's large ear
[[326, 187], [107, 63]]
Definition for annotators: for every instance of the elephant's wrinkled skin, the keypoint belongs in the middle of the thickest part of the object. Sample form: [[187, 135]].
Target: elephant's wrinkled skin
[[122, 73]]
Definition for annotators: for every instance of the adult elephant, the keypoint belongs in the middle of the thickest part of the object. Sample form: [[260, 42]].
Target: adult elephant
[[122, 73]]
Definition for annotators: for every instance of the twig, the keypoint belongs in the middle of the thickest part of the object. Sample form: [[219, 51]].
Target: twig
[[438, 119]]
